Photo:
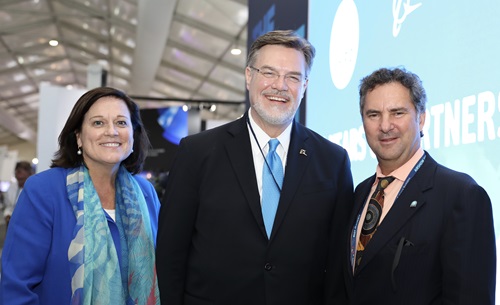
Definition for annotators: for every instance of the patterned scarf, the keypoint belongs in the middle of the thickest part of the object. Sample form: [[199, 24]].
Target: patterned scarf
[[97, 275]]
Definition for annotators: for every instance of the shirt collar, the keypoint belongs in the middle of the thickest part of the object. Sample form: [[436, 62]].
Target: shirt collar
[[263, 138], [402, 172]]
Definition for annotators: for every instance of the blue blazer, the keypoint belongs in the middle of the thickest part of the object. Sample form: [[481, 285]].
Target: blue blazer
[[40, 232], [212, 246], [441, 251]]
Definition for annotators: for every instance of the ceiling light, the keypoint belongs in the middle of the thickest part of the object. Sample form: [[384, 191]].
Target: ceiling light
[[19, 77], [53, 42], [103, 62], [236, 51], [12, 63], [39, 72], [26, 88], [213, 108]]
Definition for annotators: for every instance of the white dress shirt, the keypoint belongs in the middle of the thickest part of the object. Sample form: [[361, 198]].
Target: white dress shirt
[[263, 139]]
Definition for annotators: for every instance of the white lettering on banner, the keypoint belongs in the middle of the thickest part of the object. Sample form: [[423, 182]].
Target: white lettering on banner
[[466, 121], [485, 110], [353, 140], [451, 124]]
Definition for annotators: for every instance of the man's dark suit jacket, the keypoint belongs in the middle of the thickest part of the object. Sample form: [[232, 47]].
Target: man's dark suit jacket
[[212, 246], [442, 251]]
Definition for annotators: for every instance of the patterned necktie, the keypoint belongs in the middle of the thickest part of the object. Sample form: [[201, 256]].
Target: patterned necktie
[[372, 217], [271, 185]]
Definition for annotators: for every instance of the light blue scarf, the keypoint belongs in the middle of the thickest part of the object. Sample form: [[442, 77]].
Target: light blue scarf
[[97, 276]]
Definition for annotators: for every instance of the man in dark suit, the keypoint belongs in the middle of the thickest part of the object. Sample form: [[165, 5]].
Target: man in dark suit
[[214, 246], [429, 237]]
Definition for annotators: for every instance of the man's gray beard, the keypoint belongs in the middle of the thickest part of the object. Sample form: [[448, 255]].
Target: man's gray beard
[[280, 119]]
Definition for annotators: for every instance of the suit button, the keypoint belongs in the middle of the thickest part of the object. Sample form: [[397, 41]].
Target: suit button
[[268, 267]]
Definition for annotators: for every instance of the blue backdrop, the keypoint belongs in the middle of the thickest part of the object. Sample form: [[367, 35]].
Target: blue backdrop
[[454, 46]]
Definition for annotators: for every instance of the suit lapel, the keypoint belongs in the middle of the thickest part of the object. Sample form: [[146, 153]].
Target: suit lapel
[[239, 152], [295, 167], [406, 206]]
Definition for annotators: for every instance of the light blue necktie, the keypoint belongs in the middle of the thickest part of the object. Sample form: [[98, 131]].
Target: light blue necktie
[[271, 185]]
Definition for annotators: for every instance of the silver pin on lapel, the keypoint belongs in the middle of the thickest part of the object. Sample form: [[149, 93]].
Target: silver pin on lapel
[[303, 152], [413, 204]]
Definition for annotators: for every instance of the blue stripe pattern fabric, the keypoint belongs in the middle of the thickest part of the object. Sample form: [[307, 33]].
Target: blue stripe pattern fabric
[[97, 275]]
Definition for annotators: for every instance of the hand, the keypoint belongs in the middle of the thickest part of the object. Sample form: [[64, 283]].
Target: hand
[[7, 219]]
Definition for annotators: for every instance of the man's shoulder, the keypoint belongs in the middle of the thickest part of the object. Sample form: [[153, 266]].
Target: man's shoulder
[[217, 133], [451, 176], [448, 174], [315, 138]]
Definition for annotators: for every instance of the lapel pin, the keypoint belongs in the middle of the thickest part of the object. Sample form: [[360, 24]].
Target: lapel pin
[[303, 152], [413, 204]]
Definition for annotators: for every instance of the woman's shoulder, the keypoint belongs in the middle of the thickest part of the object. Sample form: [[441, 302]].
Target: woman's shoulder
[[143, 182], [149, 192], [49, 176], [46, 188]]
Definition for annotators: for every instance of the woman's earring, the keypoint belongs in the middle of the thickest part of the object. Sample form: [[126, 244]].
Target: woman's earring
[[79, 151]]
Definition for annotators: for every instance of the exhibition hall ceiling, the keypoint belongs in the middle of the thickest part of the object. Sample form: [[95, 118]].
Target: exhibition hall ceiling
[[172, 51]]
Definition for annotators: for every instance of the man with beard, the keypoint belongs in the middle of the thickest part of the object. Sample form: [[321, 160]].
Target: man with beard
[[238, 226]]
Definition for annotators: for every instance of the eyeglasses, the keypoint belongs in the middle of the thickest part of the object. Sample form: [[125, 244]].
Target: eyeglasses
[[291, 78]]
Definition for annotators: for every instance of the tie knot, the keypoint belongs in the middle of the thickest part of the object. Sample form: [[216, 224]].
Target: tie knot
[[273, 144], [384, 182]]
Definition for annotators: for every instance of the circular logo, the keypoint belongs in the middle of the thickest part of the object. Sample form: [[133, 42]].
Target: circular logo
[[344, 43]]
